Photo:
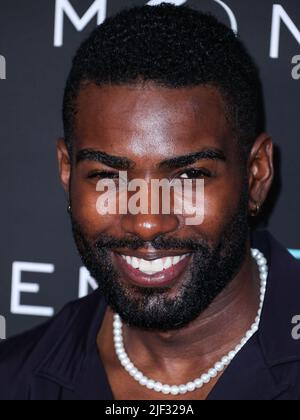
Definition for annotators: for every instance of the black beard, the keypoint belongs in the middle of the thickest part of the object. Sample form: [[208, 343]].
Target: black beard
[[211, 271]]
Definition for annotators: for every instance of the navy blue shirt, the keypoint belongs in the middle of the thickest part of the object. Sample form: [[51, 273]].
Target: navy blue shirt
[[60, 360]]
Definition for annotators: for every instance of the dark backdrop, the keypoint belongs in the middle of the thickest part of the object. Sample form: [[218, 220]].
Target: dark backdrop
[[39, 267]]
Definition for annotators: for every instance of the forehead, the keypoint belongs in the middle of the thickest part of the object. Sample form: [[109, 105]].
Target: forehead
[[150, 120]]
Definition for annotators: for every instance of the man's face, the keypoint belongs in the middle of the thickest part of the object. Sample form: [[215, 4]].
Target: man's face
[[149, 128]]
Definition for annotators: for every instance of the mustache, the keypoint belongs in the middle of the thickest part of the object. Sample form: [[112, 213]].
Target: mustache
[[105, 242], [160, 243]]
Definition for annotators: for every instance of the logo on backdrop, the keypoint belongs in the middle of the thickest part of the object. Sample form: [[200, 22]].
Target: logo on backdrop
[[99, 9], [296, 67], [2, 68], [63, 8], [280, 17], [2, 328], [296, 329], [19, 288]]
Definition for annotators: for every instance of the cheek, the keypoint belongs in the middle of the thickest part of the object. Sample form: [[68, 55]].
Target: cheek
[[222, 202], [84, 209]]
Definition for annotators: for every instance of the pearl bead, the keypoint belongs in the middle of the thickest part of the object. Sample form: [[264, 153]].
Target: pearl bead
[[133, 371], [166, 389], [225, 361], [238, 348], [119, 346], [158, 387], [121, 355], [205, 378], [232, 355], [254, 329], [263, 270], [262, 261], [117, 325], [143, 381], [249, 335], [213, 373], [183, 389], [174, 390], [244, 341], [264, 277], [125, 363], [129, 366], [138, 376], [150, 384], [118, 339], [199, 383], [191, 387], [219, 366]]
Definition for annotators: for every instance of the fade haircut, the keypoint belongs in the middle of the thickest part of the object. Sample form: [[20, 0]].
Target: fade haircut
[[173, 47]]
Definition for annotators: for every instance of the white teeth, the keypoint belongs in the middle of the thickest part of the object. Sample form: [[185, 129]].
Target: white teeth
[[168, 263], [145, 266], [176, 260], [158, 265], [153, 267], [135, 262]]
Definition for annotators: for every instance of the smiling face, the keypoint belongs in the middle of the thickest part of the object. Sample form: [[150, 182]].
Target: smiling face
[[156, 271]]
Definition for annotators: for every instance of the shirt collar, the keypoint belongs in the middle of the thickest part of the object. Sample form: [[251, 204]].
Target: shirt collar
[[69, 362]]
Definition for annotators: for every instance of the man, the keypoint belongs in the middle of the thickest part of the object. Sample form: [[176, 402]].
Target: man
[[182, 311]]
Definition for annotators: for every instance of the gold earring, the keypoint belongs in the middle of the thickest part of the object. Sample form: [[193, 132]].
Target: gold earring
[[254, 212]]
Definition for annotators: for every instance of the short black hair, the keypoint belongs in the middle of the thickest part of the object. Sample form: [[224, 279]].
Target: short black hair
[[175, 47]]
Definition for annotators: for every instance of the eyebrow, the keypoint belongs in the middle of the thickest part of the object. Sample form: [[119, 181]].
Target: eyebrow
[[123, 163], [182, 161], [116, 162]]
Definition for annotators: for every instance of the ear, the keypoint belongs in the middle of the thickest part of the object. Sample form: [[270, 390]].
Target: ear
[[64, 164], [261, 172]]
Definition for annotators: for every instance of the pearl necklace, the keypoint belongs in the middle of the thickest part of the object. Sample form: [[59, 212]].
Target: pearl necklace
[[218, 367]]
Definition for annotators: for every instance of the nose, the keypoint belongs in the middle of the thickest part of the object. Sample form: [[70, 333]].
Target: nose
[[149, 227]]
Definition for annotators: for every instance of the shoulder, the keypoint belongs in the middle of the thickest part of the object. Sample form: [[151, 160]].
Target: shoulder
[[22, 354], [277, 255]]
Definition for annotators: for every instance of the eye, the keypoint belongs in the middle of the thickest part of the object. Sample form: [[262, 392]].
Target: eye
[[195, 174], [103, 175]]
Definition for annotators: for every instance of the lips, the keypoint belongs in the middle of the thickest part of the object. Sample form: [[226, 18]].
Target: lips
[[159, 272]]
